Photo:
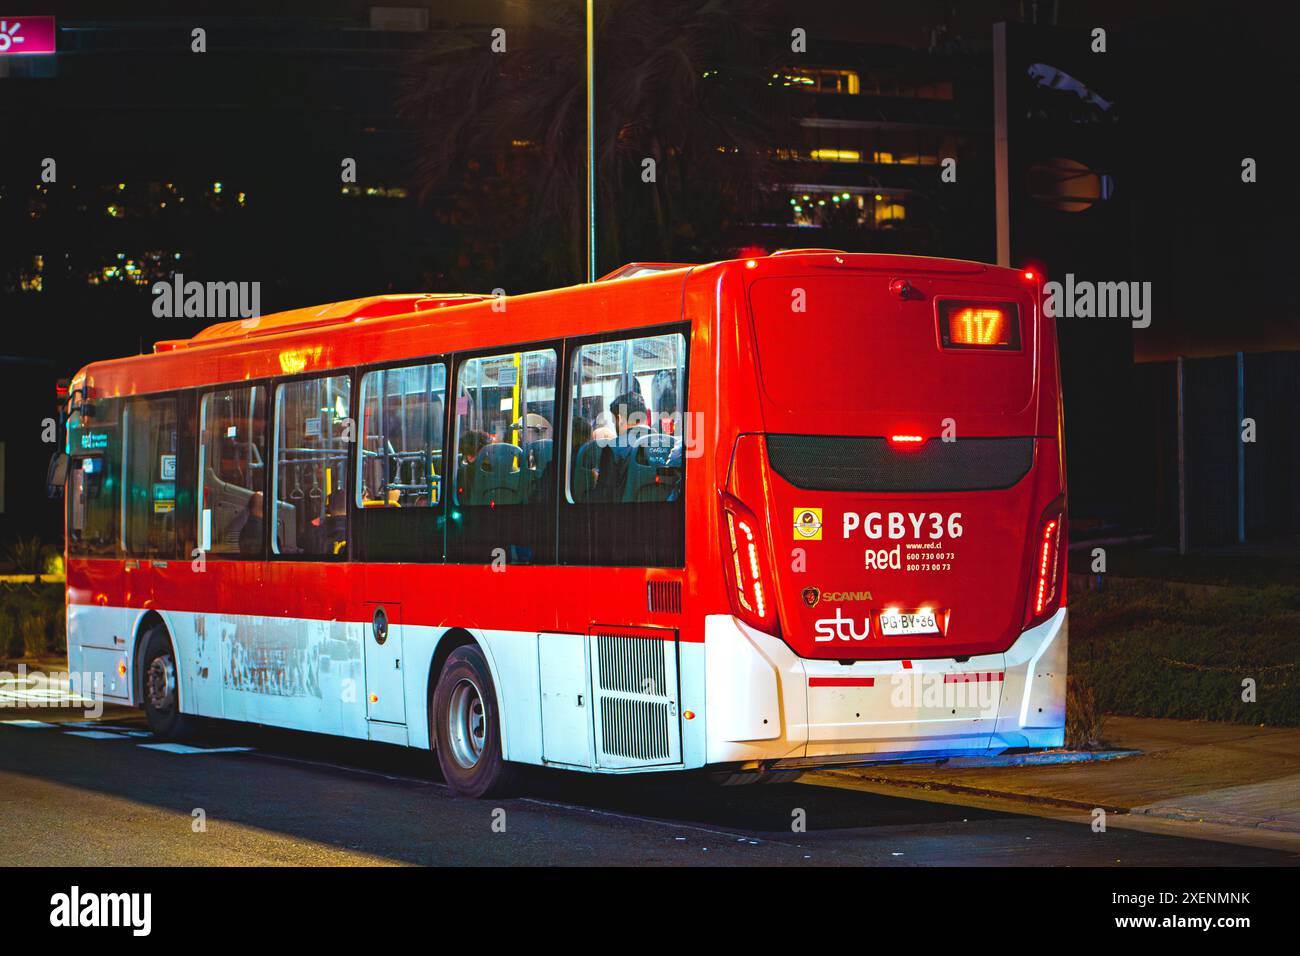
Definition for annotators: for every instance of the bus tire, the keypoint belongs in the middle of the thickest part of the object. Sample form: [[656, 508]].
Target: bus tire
[[466, 724], [160, 686]]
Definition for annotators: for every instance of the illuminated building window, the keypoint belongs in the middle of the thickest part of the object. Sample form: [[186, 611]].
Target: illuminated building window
[[33, 279], [836, 155], [844, 209], [375, 192], [815, 80]]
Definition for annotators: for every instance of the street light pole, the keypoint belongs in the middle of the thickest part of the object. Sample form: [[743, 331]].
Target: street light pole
[[591, 142]]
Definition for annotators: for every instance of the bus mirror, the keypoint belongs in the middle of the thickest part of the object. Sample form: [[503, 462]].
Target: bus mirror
[[56, 475]]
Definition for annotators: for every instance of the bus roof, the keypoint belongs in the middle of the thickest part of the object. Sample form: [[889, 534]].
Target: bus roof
[[318, 316], [656, 282]]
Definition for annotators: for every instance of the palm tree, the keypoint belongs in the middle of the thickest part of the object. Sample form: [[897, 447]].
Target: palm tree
[[681, 82]]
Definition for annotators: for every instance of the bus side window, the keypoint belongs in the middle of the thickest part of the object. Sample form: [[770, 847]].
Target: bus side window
[[310, 479], [151, 463], [625, 468], [232, 471], [401, 437], [502, 496]]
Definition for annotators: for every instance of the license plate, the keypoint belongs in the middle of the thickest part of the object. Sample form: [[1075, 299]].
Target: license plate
[[895, 623]]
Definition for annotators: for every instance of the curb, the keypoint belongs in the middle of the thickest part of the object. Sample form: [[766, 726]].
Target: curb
[[1225, 819], [1051, 758], [931, 785]]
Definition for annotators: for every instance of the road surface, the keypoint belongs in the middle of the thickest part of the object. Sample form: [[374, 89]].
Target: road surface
[[103, 793]]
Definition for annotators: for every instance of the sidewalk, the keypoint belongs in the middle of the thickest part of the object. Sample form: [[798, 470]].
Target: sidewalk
[[1229, 774]]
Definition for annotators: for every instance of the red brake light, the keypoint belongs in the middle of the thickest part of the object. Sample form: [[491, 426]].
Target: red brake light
[[979, 325], [748, 571], [906, 442], [1047, 573]]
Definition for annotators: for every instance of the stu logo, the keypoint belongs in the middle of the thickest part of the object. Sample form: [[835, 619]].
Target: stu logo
[[829, 628], [103, 909]]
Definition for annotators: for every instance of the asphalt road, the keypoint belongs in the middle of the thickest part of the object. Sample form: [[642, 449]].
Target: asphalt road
[[90, 795]]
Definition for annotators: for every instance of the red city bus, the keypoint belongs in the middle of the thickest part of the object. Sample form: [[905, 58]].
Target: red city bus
[[753, 517]]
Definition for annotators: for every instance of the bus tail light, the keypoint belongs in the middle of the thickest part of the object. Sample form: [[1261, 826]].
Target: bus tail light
[[753, 599], [1047, 572], [906, 441]]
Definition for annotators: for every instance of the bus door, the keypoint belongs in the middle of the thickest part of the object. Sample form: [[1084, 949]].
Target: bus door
[[382, 634], [149, 463]]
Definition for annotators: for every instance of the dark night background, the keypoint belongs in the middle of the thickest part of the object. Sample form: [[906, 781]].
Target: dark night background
[[225, 166]]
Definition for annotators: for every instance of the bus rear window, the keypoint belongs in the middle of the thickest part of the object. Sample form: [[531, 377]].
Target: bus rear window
[[846, 343]]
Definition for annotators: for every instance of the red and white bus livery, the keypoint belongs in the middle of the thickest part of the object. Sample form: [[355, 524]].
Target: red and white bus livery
[[753, 517]]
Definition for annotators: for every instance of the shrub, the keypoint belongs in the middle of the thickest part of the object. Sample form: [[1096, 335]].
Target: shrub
[[32, 620], [28, 556], [1083, 717]]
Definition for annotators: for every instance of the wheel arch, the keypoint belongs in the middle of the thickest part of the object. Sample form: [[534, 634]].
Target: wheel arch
[[452, 639]]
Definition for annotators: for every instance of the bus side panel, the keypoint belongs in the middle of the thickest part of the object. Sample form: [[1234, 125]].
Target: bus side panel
[[97, 628]]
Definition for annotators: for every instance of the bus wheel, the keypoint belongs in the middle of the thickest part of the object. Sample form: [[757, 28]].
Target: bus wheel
[[467, 727], [161, 686]]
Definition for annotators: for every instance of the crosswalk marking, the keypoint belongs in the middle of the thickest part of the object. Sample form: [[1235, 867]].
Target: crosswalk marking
[[187, 749], [96, 730]]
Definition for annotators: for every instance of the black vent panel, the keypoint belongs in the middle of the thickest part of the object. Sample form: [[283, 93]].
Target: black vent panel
[[838, 463], [664, 597]]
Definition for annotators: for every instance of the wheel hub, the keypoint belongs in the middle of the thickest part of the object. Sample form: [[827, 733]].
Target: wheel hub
[[160, 683], [466, 724]]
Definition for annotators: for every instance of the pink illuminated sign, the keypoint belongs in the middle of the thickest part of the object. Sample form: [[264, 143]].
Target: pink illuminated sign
[[26, 35]]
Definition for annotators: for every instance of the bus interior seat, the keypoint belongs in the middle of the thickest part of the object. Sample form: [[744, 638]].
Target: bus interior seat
[[537, 461], [229, 505], [498, 477], [650, 460], [583, 479]]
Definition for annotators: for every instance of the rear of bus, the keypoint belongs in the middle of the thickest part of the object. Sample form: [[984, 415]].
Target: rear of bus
[[891, 513]]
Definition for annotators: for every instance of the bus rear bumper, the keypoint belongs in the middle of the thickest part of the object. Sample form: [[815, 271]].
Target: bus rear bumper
[[770, 706]]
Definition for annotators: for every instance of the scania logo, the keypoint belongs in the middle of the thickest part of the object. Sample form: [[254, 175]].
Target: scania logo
[[813, 596]]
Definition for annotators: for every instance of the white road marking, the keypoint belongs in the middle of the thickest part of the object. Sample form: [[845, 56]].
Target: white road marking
[[94, 734], [28, 724], [187, 749]]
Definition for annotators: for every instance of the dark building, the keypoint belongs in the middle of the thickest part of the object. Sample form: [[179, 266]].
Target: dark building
[[228, 165]]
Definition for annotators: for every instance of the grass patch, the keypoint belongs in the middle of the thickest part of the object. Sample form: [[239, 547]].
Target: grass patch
[[1229, 570], [1151, 649], [32, 620]]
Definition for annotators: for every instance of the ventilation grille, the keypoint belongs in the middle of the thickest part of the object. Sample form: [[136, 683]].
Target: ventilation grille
[[632, 665], [664, 597], [636, 692], [636, 729], [835, 463]]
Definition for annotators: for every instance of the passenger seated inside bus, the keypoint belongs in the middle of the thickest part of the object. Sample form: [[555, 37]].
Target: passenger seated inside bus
[[612, 469], [250, 535], [328, 535], [627, 448]]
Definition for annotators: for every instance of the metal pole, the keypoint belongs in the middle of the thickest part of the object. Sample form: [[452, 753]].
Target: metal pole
[[1182, 465], [1001, 147], [1241, 449], [591, 142]]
